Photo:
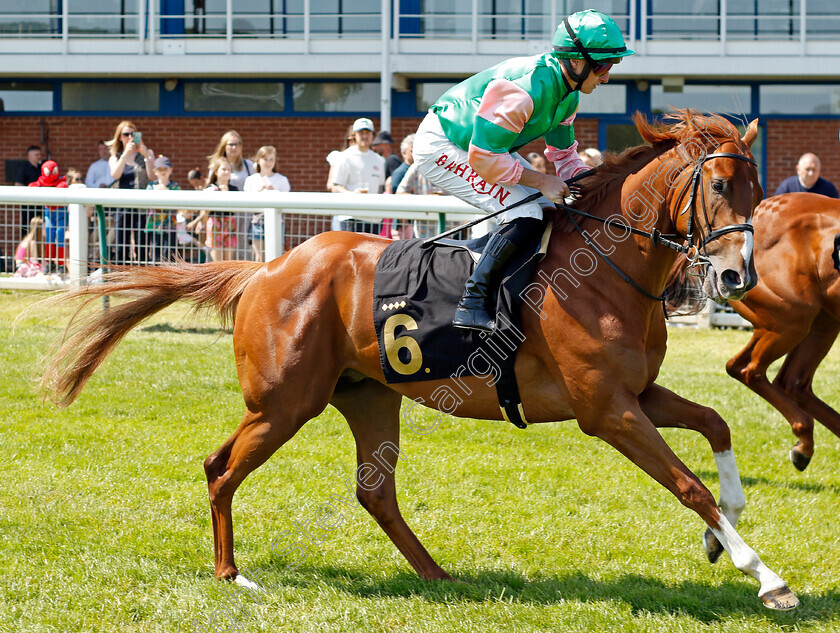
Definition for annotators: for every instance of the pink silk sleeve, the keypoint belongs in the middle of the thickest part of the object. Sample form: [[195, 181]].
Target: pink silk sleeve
[[566, 161], [495, 168]]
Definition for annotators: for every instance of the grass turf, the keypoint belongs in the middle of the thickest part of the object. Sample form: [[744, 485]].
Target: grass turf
[[105, 526]]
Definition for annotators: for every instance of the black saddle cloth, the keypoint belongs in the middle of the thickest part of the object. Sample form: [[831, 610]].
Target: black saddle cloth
[[415, 292]]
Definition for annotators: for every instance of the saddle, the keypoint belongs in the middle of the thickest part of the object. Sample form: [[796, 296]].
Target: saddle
[[417, 286]]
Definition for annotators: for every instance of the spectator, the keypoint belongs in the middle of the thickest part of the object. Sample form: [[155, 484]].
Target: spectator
[[220, 225], [30, 250], [74, 179], [808, 179], [160, 222], [336, 156], [360, 171], [383, 145], [540, 163], [266, 179], [55, 218], [196, 181], [591, 157], [399, 173], [129, 158], [230, 146], [30, 171], [99, 173]]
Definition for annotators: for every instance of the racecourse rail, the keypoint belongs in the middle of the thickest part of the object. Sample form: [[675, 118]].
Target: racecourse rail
[[275, 206]]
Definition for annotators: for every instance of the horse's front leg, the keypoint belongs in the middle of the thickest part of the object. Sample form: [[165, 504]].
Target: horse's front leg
[[620, 421], [668, 410]]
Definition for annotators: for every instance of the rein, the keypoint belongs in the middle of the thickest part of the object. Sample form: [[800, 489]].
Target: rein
[[657, 237]]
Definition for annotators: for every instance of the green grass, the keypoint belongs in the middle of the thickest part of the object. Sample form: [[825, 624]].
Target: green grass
[[105, 526]]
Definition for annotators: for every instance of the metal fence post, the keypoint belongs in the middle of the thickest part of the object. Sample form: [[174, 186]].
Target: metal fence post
[[274, 233]]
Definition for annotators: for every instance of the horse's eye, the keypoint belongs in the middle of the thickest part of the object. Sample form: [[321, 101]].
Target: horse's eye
[[718, 185]]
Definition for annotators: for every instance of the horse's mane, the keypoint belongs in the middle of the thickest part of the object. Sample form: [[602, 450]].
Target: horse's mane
[[676, 127]]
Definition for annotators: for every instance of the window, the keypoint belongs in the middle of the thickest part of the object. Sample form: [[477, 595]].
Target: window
[[606, 99], [234, 97], [684, 20], [25, 97], [733, 100], [27, 17], [112, 96], [799, 99], [336, 97], [103, 17], [428, 93], [620, 136]]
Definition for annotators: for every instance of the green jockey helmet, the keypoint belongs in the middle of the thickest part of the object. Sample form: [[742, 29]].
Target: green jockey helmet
[[595, 32]]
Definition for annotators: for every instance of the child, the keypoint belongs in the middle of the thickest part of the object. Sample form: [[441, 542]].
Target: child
[[159, 225], [266, 179], [196, 181], [30, 250], [55, 218], [221, 225]]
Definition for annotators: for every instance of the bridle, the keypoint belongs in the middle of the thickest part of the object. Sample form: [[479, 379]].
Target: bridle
[[698, 257]]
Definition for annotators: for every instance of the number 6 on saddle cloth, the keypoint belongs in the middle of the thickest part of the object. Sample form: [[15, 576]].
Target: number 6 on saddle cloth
[[416, 288]]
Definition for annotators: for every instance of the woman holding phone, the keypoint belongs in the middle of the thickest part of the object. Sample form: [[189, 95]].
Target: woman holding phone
[[129, 157]]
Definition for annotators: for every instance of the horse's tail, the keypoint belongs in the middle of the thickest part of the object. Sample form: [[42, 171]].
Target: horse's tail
[[90, 337]]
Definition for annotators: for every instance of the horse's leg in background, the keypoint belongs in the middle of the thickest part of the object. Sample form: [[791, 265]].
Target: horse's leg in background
[[372, 410], [797, 373], [668, 410], [750, 365], [621, 422]]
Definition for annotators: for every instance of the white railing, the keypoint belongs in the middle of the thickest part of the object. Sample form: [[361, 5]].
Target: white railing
[[277, 207]]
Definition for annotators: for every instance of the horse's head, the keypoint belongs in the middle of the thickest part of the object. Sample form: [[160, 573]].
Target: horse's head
[[713, 202]]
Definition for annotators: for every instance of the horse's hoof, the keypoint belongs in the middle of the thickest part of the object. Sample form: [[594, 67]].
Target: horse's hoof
[[712, 545], [781, 599], [799, 460]]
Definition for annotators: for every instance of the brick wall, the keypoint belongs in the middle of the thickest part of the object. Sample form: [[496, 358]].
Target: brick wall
[[788, 139], [302, 143]]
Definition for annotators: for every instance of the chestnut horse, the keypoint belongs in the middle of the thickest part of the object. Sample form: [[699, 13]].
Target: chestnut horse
[[794, 309], [304, 338]]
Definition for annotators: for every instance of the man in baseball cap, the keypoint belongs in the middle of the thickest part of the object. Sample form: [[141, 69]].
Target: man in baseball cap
[[359, 171], [363, 124]]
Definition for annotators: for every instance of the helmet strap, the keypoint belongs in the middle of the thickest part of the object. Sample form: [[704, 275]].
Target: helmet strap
[[576, 78]]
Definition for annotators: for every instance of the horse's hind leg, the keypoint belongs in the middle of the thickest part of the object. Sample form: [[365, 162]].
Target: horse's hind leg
[[668, 410], [797, 374], [372, 411], [750, 365], [258, 436]]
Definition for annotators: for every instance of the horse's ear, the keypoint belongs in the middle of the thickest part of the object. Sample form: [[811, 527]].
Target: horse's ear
[[751, 133]]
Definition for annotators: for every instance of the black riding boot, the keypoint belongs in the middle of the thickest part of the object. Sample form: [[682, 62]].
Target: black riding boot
[[472, 312]]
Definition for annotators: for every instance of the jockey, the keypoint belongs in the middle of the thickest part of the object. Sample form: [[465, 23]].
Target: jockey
[[467, 143]]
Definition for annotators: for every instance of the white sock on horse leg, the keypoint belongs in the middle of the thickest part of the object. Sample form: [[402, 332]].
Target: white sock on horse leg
[[745, 559], [732, 500]]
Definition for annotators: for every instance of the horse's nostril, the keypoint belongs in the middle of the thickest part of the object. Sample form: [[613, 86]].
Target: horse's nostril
[[731, 279]]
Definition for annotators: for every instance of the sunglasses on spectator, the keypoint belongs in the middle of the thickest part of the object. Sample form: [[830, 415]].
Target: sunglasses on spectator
[[127, 133], [234, 144]]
